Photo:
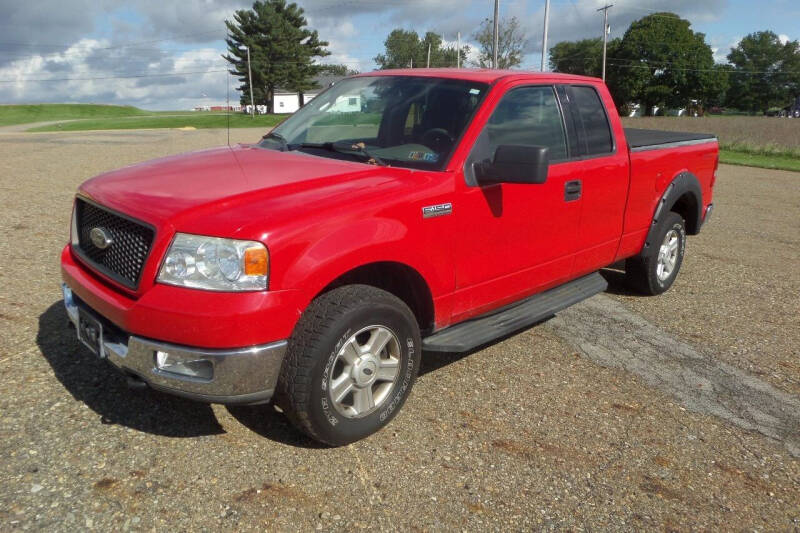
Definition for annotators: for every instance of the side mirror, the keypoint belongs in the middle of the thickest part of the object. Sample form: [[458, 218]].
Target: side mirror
[[515, 164]]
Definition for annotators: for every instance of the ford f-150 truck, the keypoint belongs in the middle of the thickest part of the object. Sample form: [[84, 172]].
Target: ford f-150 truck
[[398, 212]]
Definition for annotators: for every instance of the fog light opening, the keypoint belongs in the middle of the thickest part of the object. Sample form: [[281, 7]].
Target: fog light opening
[[175, 364]]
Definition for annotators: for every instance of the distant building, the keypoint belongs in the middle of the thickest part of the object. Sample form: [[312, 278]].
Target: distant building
[[236, 108], [289, 102]]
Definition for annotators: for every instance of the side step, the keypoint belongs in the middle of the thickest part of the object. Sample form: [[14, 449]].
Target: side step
[[484, 329]]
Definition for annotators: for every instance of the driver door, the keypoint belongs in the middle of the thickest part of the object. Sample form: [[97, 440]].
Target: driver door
[[516, 239]]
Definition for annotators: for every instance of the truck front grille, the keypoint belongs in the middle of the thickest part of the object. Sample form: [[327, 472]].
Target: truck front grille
[[129, 243]]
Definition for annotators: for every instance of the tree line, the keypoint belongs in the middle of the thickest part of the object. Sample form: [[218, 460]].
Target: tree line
[[659, 61]]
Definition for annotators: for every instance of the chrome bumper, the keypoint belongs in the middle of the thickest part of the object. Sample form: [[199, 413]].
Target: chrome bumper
[[243, 375]]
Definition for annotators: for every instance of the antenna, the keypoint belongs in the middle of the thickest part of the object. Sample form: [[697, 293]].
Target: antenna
[[228, 103]]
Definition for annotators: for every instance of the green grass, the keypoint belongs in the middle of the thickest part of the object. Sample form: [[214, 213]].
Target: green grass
[[762, 156], [773, 161], [198, 119], [25, 114]]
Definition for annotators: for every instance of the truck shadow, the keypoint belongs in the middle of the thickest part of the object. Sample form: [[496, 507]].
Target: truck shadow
[[102, 388], [615, 277], [265, 421], [433, 361]]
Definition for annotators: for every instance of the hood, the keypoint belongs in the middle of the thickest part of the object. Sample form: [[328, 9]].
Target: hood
[[173, 188]]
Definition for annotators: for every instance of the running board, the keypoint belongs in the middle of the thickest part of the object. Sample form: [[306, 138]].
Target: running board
[[484, 329]]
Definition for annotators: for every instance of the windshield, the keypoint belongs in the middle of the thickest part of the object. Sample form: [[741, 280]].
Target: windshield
[[404, 121]]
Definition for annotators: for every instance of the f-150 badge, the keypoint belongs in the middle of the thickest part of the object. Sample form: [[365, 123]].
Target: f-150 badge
[[437, 210]]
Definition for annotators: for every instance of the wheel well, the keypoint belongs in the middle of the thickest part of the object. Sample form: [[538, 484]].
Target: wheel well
[[686, 206], [398, 279]]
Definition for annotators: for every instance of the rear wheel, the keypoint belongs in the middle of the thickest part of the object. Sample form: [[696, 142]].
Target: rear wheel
[[351, 364], [655, 270]]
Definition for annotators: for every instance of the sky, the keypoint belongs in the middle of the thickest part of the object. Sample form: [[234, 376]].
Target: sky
[[161, 54]]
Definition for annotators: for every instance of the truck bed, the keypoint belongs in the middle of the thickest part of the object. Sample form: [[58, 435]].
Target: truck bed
[[639, 139]]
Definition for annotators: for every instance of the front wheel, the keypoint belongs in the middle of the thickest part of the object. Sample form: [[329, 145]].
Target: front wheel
[[655, 270], [351, 364]]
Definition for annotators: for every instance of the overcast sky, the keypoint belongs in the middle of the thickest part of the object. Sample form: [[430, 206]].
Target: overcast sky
[[160, 54]]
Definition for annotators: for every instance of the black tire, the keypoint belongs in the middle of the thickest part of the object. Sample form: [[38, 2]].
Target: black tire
[[641, 272], [323, 329]]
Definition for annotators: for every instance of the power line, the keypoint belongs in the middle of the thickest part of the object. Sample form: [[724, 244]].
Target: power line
[[165, 75], [122, 45]]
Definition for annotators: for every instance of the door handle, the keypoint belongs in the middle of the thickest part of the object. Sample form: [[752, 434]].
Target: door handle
[[572, 190]]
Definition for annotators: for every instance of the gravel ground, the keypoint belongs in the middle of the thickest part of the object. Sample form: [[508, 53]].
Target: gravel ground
[[561, 426]]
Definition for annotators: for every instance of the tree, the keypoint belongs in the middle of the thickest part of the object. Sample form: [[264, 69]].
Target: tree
[[583, 57], [403, 48], [765, 73], [661, 62], [510, 41], [282, 50], [337, 70]]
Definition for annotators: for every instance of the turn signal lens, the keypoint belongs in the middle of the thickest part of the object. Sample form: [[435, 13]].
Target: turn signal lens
[[256, 262]]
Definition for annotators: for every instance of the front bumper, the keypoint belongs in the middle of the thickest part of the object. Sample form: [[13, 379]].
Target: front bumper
[[243, 375]]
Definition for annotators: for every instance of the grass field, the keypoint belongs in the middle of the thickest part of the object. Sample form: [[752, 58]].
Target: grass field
[[83, 117], [766, 142], [25, 114], [774, 161], [199, 120]]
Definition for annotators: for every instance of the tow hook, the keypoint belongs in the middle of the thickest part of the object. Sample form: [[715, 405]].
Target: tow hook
[[135, 382]]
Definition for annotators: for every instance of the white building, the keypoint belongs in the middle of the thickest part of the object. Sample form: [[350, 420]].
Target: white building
[[289, 102], [286, 102]]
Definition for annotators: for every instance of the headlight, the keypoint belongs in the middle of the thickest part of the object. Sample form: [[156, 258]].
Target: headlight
[[215, 264]]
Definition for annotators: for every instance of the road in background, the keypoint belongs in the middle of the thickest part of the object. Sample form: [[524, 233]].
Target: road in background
[[586, 421]]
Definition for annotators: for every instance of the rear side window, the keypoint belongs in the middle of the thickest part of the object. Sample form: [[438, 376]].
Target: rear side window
[[528, 116], [594, 132]]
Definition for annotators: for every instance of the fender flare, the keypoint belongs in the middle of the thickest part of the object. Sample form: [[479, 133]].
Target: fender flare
[[684, 182]]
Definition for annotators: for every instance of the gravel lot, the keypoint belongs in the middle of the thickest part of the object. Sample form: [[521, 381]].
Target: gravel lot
[[678, 412]]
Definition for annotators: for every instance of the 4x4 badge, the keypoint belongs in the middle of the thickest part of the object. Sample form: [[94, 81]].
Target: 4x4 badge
[[437, 210]]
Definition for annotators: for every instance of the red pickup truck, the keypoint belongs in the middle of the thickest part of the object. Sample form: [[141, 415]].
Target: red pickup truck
[[396, 213]]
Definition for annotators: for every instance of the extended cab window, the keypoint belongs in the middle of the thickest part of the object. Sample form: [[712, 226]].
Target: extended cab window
[[594, 133], [528, 116]]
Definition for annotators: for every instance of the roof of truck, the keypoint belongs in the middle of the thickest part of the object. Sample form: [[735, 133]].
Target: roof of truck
[[484, 75]]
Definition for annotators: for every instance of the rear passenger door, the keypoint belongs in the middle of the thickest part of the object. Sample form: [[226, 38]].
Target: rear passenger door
[[603, 173], [515, 239]]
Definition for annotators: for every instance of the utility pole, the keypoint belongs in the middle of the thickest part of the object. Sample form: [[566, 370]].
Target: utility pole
[[495, 36], [458, 51], [428, 62], [250, 77], [606, 28], [544, 36]]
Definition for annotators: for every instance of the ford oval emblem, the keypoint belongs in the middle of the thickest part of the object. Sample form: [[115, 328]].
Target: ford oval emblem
[[100, 238]]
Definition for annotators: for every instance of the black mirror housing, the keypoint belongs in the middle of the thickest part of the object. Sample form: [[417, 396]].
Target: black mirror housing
[[515, 164]]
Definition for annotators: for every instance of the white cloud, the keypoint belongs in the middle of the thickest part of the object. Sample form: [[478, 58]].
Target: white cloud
[[80, 81], [82, 40]]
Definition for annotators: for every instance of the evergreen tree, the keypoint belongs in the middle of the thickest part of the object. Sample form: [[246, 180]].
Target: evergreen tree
[[282, 50]]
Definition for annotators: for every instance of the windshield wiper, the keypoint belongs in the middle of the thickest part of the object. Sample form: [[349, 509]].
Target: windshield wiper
[[278, 137], [356, 149]]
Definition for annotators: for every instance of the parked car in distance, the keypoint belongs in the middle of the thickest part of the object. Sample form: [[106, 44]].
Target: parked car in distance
[[314, 268]]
